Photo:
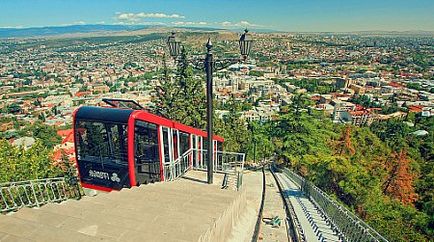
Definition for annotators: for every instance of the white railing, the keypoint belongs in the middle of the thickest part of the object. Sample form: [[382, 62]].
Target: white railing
[[223, 161], [34, 193], [230, 163], [179, 167]]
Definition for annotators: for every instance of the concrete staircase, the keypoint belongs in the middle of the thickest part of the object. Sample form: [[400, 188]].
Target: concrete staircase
[[182, 210], [232, 181]]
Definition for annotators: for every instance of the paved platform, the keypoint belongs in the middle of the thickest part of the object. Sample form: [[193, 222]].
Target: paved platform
[[187, 209]]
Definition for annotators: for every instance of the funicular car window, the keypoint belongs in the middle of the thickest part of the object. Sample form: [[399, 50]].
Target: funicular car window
[[146, 150], [102, 142], [219, 146], [184, 142], [146, 139], [166, 145]]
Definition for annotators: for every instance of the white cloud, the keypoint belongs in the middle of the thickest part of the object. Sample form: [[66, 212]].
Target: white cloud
[[137, 17], [225, 23], [13, 27], [140, 23], [80, 22], [189, 23], [242, 23]]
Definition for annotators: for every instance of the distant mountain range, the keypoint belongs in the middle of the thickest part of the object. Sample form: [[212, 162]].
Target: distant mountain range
[[105, 29], [70, 29], [93, 28]]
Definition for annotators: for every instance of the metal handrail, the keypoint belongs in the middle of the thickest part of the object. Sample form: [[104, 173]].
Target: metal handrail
[[230, 163], [35, 193], [223, 161], [178, 167], [348, 225]]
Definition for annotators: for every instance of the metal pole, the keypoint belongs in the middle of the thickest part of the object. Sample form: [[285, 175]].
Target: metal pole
[[254, 151], [254, 144], [209, 71]]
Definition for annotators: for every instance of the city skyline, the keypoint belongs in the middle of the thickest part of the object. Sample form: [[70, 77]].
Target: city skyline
[[297, 16]]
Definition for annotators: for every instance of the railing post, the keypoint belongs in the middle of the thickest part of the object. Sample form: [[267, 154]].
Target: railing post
[[34, 194]]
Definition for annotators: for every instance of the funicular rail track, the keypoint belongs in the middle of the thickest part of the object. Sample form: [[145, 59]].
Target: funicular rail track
[[295, 230], [272, 222], [314, 216], [261, 209], [345, 223]]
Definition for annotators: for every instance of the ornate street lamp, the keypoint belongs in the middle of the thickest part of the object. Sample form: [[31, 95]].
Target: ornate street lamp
[[210, 64], [174, 45], [245, 44]]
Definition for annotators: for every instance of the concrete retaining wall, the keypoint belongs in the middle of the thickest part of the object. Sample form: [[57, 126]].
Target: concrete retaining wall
[[222, 226]]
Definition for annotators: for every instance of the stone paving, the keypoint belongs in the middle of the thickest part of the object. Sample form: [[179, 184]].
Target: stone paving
[[183, 210]]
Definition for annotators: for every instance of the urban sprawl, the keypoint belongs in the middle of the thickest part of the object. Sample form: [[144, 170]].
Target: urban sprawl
[[354, 78]]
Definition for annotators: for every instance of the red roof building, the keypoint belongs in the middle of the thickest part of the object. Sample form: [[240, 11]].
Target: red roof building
[[415, 108], [67, 135]]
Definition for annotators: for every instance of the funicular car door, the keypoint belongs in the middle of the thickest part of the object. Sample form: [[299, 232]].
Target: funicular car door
[[184, 146], [167, 152], [146, 152]]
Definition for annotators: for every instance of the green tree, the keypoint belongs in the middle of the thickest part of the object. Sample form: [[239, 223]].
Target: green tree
[[191, 95], [233, 129], [261, 144], [363, 171], [17, 164], [181, 98], [38, 130]]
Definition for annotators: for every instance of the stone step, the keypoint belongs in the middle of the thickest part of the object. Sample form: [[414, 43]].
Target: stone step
[[181, 210], [39, 216], [17, 227], [50, 234]]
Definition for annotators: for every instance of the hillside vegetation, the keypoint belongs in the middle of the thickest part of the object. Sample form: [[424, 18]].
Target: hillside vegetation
[[384, 173]]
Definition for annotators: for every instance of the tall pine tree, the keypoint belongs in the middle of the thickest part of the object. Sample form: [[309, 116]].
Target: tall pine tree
[[166, 94], [181, 98]]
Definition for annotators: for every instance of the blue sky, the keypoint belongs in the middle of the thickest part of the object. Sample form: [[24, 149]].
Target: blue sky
[[287, 15]]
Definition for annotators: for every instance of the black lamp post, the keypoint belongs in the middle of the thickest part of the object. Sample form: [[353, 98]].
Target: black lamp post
[[210, 64], [209, 110]]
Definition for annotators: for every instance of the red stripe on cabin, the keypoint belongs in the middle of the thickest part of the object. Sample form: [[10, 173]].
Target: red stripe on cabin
[[131, 163]]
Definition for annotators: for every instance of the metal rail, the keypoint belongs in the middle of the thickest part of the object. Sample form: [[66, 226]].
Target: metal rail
[[179, 167], [348, 225], [223, 161], [35, 193], [295, 230], [261, 209], [230, 163]]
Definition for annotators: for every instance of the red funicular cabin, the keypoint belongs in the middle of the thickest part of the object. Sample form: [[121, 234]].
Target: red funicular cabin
[[124, 146]]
